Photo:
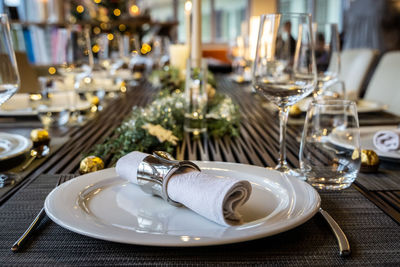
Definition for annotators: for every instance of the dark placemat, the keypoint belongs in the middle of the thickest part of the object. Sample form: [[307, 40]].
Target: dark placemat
[[382, 180], [374, 239], [55, 145]]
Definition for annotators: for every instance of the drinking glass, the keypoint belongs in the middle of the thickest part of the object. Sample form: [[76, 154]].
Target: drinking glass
[[284, 70], [9, 77], [330, 146], [327, 55]]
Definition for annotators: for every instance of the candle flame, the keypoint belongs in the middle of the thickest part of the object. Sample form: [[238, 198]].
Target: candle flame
[[188, 6]]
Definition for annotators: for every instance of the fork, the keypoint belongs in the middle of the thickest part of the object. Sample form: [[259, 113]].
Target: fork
[[39, 217]]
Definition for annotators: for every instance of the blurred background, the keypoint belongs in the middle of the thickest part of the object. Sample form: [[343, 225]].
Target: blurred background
[[36, 23]]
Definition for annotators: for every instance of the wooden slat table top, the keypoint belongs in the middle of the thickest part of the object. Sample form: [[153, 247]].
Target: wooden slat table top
[[258, 143]]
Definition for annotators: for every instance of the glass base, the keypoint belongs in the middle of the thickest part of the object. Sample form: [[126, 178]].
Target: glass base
[[195, 126], [287, 170]]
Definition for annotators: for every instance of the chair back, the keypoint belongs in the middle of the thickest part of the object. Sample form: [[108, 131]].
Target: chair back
[[354, 67], [384, 86]]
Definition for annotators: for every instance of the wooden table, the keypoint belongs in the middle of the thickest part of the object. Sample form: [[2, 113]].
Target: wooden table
[[309, 244]]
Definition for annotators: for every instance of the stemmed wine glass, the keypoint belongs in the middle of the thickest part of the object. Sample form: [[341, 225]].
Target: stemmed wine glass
[[327, 55], [9, 76], [77, 57], [284, 70], [77, 61]]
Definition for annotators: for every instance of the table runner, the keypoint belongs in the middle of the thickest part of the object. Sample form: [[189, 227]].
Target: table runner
[[382, 180], [373, 236]]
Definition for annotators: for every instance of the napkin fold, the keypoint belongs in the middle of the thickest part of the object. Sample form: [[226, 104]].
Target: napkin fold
[[386, 140], [215, 198]]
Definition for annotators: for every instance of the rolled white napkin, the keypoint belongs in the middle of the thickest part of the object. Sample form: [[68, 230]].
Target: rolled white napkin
[[215, 198], [386, 140]]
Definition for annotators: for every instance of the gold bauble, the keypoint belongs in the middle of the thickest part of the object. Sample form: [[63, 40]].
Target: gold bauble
[[95, 101], [294, 111], [40, 137], [369, 161], [91, 164]]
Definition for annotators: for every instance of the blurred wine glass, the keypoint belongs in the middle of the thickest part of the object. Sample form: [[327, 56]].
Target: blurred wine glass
[[160, 50], [9, 77], [327, 55], [77, 62], [284, 70], [110, 55], [77, 57]]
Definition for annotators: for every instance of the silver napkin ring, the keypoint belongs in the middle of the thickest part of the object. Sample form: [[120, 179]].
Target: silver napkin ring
[[155, 171]]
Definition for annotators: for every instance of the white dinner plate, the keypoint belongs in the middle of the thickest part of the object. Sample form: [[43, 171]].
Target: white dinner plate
[[104, 206], [13, 145], [20, 105], [366, 141], [363, 106]]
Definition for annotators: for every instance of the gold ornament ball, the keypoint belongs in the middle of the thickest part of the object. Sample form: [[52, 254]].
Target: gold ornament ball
[[369, 161], [295, 111], [40, 137], [91, 164]]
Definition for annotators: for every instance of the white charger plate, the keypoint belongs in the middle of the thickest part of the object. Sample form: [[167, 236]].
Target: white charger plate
[[363, 106], [13, 145], [19, 104], [366, 141], [104, 206]]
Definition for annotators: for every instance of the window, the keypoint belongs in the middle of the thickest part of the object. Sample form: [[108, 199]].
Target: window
[[221, 19], [324, 11]]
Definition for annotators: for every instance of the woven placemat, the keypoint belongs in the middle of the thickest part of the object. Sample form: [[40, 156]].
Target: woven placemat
[[374, 239], [380, 181]]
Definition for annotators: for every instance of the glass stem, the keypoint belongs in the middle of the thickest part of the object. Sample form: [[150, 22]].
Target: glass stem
[[283, 117]]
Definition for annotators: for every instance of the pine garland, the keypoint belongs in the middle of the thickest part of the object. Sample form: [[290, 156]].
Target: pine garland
[[141, 130]]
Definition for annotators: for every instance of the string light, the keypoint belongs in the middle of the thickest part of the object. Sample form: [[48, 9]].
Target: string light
[[134, 10], [95, 48], [52, 70], [145, 48], [122, 27], [80, 9], [96, 30], [103, 25], [97, 1], [117, 12], [188, 6], [110, 36]]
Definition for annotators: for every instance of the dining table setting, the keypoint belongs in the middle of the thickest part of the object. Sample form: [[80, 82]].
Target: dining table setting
[[122, 161]]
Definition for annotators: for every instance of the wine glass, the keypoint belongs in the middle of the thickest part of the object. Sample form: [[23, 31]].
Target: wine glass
[[284, 70], [77, 61], [327, 55], [77, 57], [110, 53], [9, 76]]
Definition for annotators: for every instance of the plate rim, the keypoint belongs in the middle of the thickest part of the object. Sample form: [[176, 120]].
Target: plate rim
[[28, 148], [370, 130], [299, 220]]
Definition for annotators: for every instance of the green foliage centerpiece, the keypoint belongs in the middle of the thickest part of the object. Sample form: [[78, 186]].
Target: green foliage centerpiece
[[159, 125]]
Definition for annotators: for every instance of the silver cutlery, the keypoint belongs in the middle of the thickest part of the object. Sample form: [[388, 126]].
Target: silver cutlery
[[36, 153], [8, 178], [39, 217], [344, 246]]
